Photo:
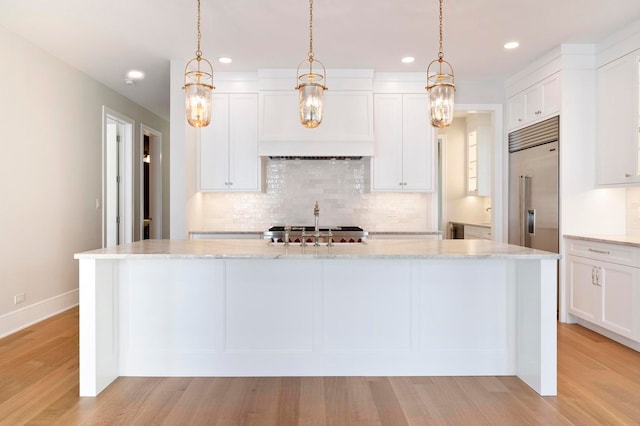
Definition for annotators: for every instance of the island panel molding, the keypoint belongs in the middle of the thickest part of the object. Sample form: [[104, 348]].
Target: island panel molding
[[388, 307]]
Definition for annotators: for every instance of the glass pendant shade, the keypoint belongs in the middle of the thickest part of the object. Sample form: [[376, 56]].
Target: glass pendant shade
[[198, 97], [310, 95], [441, 88], [441, 100], [198, 87]]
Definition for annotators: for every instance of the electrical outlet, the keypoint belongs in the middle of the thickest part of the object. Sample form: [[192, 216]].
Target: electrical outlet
[[18, 298]]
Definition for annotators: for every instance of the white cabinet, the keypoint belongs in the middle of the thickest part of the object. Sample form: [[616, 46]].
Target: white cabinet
[[602, 291], [478, 154], [229, 145], [403, 159], [535, 103], [618, 122]]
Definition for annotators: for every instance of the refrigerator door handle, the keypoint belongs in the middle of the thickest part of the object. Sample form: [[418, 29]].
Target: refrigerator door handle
[[531, 222], [525, 183]]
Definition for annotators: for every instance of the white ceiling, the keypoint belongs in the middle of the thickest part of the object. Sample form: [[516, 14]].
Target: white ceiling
[[107, 38]]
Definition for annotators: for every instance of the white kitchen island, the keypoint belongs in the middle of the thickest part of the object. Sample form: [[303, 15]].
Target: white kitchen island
[[384, 308]]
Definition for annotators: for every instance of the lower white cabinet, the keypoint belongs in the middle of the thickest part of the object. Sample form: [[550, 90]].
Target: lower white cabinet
[[603, 292], [228, 154]]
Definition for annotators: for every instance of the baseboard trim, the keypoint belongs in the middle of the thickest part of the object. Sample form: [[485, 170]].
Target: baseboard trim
[[29, 315]]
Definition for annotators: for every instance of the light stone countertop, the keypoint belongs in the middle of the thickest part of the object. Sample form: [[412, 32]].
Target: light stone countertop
[[372, 249], [622, 239]]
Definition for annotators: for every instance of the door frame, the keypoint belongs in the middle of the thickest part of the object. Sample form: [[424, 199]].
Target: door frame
[[499, 190], [155, 199], [125, 209]]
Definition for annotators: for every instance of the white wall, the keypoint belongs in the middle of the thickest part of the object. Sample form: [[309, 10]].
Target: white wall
[[50, 177]]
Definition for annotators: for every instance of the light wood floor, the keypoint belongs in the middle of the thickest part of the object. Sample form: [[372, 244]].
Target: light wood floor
[[598, 383]]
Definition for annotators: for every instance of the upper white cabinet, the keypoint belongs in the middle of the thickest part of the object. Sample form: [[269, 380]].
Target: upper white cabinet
[[229, 145], [404, 157], [618, 122], [538, 102], [478, 154]]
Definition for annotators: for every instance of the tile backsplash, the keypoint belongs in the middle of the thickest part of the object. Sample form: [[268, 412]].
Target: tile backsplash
[[341, 187]]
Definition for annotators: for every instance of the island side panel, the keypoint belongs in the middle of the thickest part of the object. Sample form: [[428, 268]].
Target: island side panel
[[536, 323], [99, 350], [171, 316]]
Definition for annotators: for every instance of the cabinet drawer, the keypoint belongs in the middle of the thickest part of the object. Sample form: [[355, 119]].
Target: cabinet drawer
[[615, 253]]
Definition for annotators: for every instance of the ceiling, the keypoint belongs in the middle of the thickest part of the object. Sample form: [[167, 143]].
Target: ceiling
[[105, 39]]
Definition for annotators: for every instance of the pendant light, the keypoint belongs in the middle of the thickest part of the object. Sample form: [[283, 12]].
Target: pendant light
[[198, 87], [311, 85], [441, 88]]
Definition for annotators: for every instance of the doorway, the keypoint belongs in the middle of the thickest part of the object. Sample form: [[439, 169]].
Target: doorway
[[117, 178], [457, 198], [151, 183]]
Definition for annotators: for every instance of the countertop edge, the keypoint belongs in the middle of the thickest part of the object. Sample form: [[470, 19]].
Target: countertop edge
[[623, 240], [398, 249]]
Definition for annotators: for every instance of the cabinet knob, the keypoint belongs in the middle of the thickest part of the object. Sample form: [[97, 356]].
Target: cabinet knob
[[519, 119], [627, 175]]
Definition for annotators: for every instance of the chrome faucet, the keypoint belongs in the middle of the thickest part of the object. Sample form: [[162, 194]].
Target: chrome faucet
[[316, 233]]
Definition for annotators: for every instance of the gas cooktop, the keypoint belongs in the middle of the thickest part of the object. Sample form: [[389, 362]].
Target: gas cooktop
[[337, 234]]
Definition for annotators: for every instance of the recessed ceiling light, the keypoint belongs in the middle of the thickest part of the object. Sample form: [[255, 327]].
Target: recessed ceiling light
[[135, 75], [511, 45], [407, 59], [224, 60]]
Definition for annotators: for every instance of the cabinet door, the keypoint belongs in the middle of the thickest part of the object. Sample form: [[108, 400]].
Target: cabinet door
[[516, 110], [582, 290], [533, 104], [617, 154], [417, 144], [617, 284], [214, 147], [387, 161], [551, 96], [244, 163]]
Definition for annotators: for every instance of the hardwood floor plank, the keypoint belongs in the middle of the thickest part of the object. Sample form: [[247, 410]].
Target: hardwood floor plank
[[312, 407], [386, 402]]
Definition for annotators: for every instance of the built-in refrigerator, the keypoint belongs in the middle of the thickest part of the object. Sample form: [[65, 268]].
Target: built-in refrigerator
[[533, 186]]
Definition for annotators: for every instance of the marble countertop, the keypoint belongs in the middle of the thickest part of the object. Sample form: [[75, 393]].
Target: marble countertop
[[372, 249], [622, 239]]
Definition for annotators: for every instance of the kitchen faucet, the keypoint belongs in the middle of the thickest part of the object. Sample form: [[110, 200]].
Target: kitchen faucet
[[316, 233]]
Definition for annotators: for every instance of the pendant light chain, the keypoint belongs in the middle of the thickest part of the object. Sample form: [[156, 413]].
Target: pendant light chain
[[199, 52], [441, 53], [310, 30]]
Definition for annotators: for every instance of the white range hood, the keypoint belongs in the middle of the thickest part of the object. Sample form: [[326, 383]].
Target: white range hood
[[347, 125]]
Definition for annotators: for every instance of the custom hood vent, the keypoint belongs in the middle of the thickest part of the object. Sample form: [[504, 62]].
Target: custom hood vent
[[325, 157]]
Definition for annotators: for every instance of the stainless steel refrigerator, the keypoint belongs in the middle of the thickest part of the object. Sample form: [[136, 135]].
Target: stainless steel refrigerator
[[533, 186]]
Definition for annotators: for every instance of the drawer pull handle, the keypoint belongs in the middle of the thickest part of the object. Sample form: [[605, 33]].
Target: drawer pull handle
[[600, 251]]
